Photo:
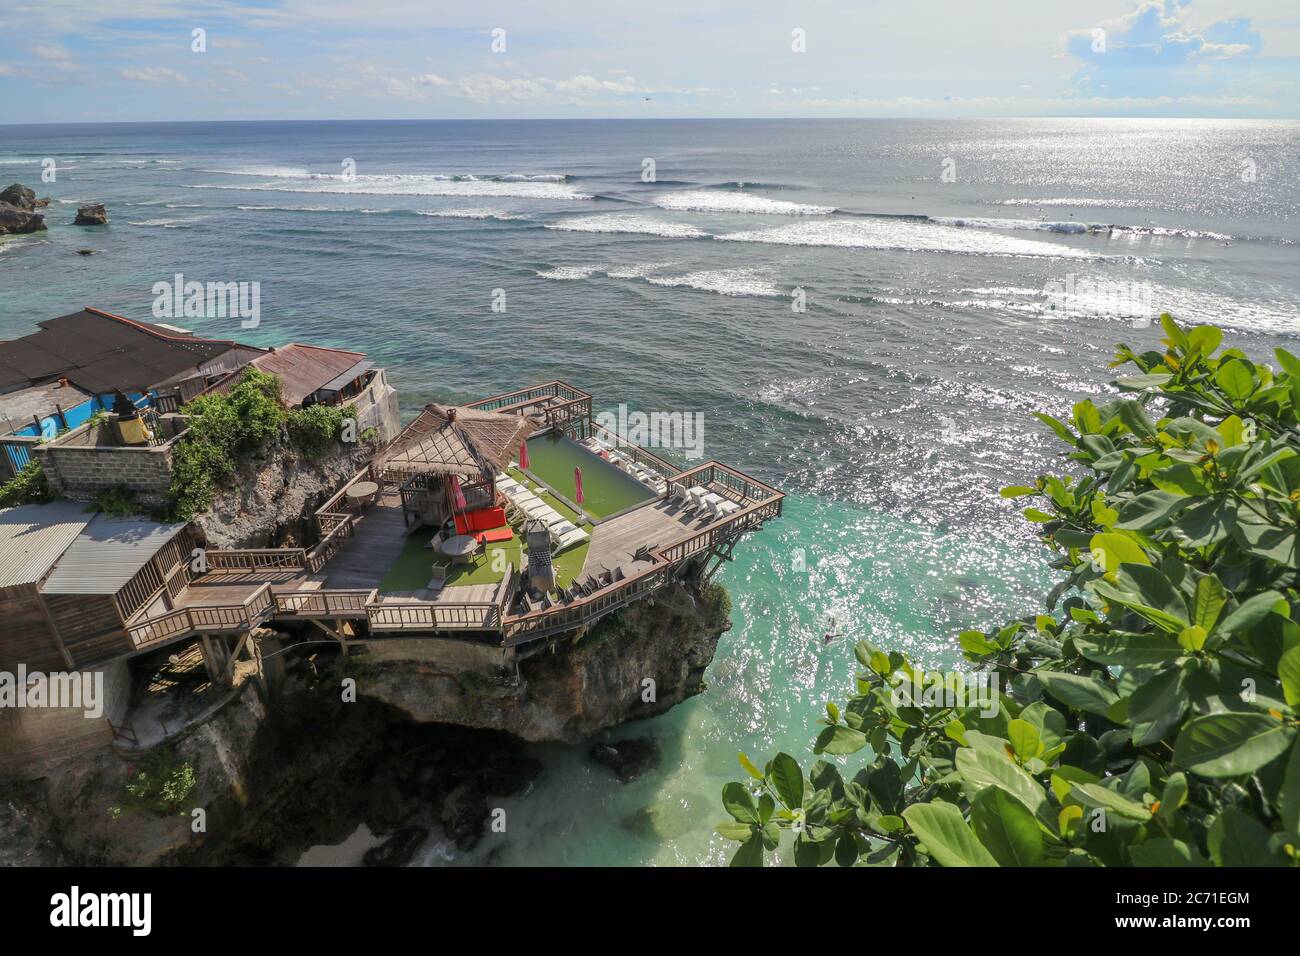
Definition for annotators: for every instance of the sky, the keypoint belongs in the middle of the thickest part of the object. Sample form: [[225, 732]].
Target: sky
[[178, 60]]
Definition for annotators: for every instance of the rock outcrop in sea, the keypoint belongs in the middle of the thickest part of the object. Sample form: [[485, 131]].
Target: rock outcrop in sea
[[18, 214], [92, 214]]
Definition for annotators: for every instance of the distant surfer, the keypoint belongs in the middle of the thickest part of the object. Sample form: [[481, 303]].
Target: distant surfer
[[832, 631]]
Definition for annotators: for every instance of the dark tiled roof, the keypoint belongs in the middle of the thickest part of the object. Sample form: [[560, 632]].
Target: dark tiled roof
[[102, 352]]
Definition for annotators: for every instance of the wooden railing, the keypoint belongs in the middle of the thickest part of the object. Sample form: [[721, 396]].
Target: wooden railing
[[257, 559], [522, 628], [330, 544], [532, 395], [433, 616], [337, 603], [636, 452], [197, 620]]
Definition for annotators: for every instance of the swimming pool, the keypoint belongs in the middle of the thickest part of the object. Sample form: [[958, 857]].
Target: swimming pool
[[552, 458]]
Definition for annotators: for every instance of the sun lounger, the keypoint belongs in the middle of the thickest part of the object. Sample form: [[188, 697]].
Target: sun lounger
[[574, 537]]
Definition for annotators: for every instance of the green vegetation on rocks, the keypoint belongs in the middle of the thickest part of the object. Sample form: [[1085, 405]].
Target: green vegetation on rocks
[[28, 487], [1149, 716], [225, 428]]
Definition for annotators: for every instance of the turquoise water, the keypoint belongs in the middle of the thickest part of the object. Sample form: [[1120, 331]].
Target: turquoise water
[[890, 409], [605, 489]]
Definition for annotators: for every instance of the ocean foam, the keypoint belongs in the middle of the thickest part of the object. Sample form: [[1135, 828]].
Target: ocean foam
[[622, 223], [907, 236], [734, 282], [421, 185], [569, 273], [704, 200], [471, 214]]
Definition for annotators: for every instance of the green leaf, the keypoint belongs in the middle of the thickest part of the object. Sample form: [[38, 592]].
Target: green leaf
[[1081, 693], [840, 740], [787, 778], [1163, 851], [1231, 744], [1236, 839], [982, 768], [735, 831], [1289, 363], [749, 766], [1062, 432], [1017, 491], [1250, 613], [1110, 549], [750, 852], [1095, 795], [1128, 649], [1007, 829], [946, 835], [1288, 798], [1235, 379], [1210, 598], [1134, 416], [1024, 738], [1288, 671], [1181, 479], [737, 801], [1155, 708]]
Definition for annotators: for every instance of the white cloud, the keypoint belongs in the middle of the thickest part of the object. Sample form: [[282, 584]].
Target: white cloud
[[154, 74]]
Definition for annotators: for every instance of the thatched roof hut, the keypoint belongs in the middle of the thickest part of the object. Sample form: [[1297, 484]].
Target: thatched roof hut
[[453, 440]]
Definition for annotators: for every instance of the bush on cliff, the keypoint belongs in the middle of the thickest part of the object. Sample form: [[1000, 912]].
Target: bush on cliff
[[28, 487], [225, 428], [1148, 719]]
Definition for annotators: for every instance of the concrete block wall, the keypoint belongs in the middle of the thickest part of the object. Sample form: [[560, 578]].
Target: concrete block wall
[[78, 472]]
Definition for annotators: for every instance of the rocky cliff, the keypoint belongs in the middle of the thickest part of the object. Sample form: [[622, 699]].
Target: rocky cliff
[[636, 663], [277, 771], [270, 500]]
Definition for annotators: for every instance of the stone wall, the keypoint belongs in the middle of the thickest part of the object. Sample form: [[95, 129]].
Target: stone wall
[[79, 471]]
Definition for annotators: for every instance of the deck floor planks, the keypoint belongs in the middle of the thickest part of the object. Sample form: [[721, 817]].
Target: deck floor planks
[[376, 544], [656, 523]]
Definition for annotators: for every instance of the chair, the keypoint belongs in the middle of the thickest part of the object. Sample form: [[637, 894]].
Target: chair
[[437, 577]]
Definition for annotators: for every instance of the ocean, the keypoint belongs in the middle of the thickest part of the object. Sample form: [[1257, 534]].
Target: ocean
[[954, 277]]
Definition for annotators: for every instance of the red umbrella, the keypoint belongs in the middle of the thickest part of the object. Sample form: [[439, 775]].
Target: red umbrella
[[577, 485], [523, 455], [457, 495]]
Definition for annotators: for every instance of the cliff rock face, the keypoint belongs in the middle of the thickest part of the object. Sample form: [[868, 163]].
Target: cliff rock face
[[636, 663], [270, 500]]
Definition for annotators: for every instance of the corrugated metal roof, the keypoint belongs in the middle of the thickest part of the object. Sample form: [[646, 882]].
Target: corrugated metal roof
[[303, 370], [107, 554], [33, 536]]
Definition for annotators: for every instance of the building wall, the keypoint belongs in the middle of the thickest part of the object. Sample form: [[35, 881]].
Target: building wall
[[25, 636], [78, 472], [34, 739], [90, 627], [377, 408]]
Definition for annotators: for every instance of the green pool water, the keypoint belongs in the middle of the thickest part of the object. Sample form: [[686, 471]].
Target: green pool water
[[607, 490]]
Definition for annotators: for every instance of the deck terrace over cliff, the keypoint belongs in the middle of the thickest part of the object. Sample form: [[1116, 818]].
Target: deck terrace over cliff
[[370, 576]]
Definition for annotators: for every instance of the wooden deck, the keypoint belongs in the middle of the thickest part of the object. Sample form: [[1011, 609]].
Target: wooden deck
[[614, 543], [364, 559]]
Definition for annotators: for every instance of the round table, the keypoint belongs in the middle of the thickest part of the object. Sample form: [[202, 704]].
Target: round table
[[362, 491], [459, 547]]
